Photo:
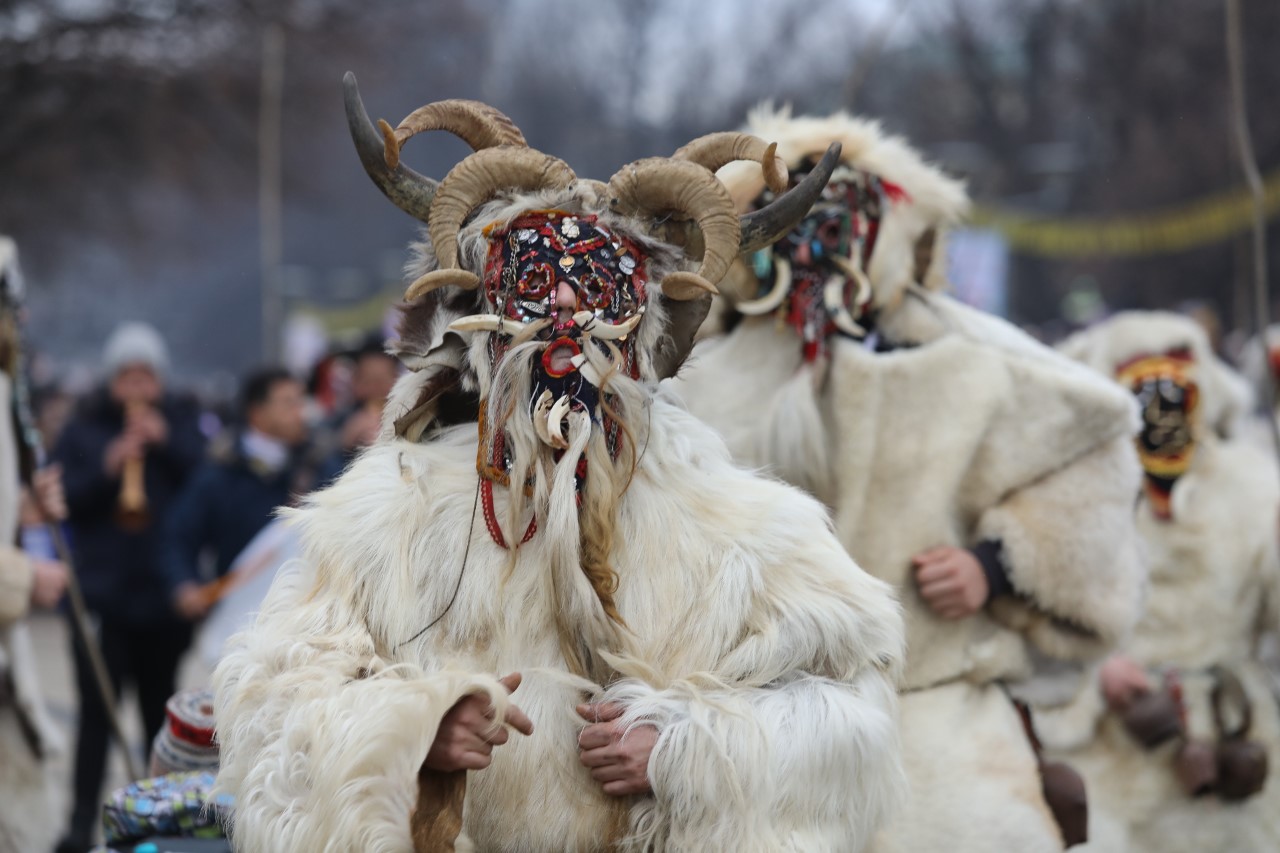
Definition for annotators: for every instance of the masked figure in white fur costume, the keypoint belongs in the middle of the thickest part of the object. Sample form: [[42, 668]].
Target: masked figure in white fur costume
[[989, 479], [1178, 735], [700, 664]]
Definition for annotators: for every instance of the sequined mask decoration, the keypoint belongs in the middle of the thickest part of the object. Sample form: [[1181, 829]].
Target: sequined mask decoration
[[1169, 400], [815, 278], [569, 281]]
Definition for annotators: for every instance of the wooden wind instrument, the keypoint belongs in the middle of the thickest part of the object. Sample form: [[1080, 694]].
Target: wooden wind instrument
[[132, 511]]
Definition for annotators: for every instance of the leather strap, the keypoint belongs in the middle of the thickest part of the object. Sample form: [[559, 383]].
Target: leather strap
[[9, 698]]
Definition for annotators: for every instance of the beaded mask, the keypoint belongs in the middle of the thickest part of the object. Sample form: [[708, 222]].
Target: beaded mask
[[567, 280], [815, 277]]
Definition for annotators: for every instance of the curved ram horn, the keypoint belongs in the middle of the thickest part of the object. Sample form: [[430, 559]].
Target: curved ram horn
[[470, 184], [408, 190], [716, 149], [477, 124], [769, 302], [440, 278], [767, 225], [600, 188], [661, 186]]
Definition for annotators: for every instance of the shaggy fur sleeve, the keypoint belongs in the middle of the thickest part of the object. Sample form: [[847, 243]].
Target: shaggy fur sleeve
[[321, 741], [804, 764], [1073, 554], [792, 744]]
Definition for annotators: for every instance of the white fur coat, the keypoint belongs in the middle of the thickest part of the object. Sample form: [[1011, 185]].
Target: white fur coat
[[975, 432], [766, 658]]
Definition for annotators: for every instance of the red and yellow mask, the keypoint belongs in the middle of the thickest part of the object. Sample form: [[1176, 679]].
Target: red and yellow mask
[[1169, 399]]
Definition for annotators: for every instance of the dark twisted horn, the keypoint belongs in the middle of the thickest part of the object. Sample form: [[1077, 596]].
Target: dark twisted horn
[[767, 225], [408, 190]]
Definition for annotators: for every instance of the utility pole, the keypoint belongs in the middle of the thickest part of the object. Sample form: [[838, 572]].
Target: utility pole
[[1249, 165], [270, 206]]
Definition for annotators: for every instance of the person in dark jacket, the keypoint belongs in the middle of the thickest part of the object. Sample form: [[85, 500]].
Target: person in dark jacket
[[236, 492], [128, 440]]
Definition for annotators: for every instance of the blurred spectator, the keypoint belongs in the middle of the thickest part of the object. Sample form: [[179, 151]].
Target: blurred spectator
[[375, 374], [330, 385], [255, 470], [357, 426], [132, 432], [52, 407]]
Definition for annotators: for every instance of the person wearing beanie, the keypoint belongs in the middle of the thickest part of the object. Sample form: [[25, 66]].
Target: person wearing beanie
[[135, 345], [126, 453]]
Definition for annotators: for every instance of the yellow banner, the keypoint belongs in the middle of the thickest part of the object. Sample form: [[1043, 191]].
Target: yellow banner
[[362, 316], [1200, 223]]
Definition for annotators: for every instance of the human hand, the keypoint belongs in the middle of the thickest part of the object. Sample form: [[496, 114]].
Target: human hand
[[951, 581], [618, 759], [51, 579], [468, 732], [121, 450], [148, 425], [49, 496], [191, 602], [1122, 680]]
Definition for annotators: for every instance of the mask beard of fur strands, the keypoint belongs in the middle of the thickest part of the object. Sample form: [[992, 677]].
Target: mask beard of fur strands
[[560, 426], [587, 299]]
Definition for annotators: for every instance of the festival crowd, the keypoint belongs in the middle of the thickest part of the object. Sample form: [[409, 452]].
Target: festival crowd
[[162, 493]]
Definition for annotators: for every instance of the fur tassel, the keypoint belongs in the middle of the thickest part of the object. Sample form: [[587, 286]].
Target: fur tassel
[[793, 438]]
